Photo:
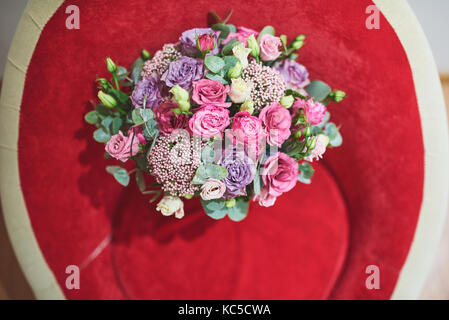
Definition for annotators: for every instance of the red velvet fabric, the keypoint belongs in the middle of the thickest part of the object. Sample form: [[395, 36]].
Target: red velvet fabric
[[293, 250]]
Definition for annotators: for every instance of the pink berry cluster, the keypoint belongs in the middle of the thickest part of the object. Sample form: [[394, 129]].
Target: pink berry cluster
[[174, 160], [268, 85], [161, 60]]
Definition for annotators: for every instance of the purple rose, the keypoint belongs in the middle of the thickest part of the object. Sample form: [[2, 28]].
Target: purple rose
[[241, 171], [146, 89], [183, 71], [294, 74], [188, 40]]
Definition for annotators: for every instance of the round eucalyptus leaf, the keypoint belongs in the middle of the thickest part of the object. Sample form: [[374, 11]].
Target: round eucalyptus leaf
[[318, 90], [208, 155], [91, 117], [337, 140], [122, 177], [101, 136], [216, 77], [216, 171], [228, 47], [331, 130], [303, 180], [224, 30], [214, 208], [214, 63], [239, 211]]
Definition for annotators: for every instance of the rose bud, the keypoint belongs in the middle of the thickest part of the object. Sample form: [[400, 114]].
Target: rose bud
[[205, 42]]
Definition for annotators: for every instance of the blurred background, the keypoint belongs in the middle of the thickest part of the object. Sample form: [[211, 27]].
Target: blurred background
[[434, 18]]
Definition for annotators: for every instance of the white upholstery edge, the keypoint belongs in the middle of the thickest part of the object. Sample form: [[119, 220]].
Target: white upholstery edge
[[436, 147], [18, 225]]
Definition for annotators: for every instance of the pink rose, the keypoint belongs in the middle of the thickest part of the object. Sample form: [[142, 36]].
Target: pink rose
[[207, 91], [241, 35], [264, 198], [122, 147], [314, 111], [206, 42], [277, 121], [167, 120], [280, 174], [269, 47], [248, 130], [209, 121]]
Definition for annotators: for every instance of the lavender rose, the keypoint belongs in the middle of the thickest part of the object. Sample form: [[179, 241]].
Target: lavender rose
[[183, 72], [241, 171], [146, 89], [188, 40], [294, 74]]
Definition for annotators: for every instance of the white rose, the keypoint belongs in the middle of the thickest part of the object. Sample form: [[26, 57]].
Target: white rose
[[171, 205], [241, 52], [240, 90], [212, 189]]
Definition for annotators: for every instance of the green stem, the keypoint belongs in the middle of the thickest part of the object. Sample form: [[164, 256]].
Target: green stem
[[227, 17], [114, 76], [121, 110], [216, 16]]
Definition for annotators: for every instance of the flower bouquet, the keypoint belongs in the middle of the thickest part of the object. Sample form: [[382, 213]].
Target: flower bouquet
[[225, 113]]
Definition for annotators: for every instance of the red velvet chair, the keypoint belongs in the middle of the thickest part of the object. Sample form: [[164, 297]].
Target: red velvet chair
[[378, 200]]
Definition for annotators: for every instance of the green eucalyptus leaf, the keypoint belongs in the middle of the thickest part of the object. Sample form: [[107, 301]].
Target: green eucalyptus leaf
[[230, 62], [201, 176], [208, 154], [120, 174], [223, 28], [106, 124], [122, 177], [337, 140], [112, 169], [122, 73], [316, 130], [140, 115], [232, 28], [91, 117], [239, 211], [150, 129], [318, 90], [266, 30], [303, 180], [217, 215], [136, 70], [103, 110], [257, 183], [214, 205], [331, 130], [228, 46], [101, 136], [214, 208], [116, 125], [216, 171], [216, 77], [214, 63], [306, 170]]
